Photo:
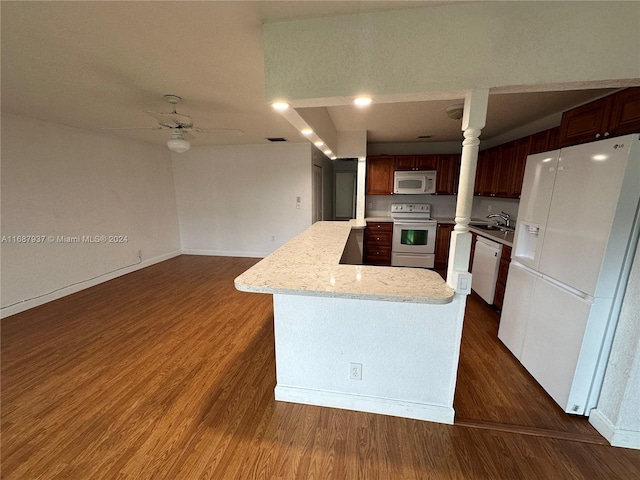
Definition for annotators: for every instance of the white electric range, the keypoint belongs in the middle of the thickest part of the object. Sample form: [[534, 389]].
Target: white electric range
[[414, 235]]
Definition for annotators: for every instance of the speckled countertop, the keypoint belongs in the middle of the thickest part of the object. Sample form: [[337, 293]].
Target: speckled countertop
[[309, 265], [506, 238]]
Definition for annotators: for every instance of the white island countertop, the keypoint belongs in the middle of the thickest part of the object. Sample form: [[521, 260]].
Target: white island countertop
[[309, 265]]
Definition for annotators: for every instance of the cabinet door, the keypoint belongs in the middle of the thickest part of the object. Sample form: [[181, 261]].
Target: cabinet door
[[448, 168], [625, 115], [521, 150], [443, 238], [486, 173], [474, 237], [503, 173], [405, 162], [426, 162], [380, 175], [553, 141], [503, 271], [586, 123]]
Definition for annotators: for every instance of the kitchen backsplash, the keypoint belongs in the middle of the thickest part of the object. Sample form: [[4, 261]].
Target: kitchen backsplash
[[442, 206]]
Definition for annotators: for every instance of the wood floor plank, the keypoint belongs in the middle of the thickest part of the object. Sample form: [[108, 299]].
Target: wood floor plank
[[168, 373]]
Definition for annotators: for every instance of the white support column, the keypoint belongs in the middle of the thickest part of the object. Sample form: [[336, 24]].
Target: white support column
[[361, 187], [473, 121]]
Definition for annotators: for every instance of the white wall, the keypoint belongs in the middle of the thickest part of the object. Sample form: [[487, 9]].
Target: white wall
[[241, 200], [62, 181], [617, 415]]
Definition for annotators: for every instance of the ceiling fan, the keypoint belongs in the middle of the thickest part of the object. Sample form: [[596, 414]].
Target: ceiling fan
[[181, 127]]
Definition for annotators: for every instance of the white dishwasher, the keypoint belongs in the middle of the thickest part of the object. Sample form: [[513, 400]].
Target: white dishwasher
[[486, 262]]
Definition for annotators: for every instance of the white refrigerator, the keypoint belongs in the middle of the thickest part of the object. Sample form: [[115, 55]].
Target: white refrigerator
[[578, 226]]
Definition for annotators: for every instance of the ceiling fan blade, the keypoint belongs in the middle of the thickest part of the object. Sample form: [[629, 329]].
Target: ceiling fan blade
[[164, 120], [136, 128], [184, 121], [187, 136], [230, 132]]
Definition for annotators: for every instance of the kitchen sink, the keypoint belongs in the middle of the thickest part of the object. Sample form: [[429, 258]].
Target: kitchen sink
[[493, 228]]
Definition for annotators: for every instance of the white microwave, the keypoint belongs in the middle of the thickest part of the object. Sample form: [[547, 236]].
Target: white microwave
[[414, 182]]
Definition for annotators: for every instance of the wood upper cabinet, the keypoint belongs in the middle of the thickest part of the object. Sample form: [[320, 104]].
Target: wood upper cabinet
[[504, 170], [540, 142], [448, 168], [616, 114], [416, 162], [380, 175], [585, 123], [486, 172], [443, 238], [625, 112], [520, 152]]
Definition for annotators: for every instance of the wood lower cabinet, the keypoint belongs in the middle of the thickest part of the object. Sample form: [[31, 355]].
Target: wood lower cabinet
[[503, 271], [377, 243], [474, 237], [443, 239], [380, 175]]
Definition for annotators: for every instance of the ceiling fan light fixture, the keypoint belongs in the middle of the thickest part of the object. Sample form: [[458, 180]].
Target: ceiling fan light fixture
[[178, 144], [454, 112]]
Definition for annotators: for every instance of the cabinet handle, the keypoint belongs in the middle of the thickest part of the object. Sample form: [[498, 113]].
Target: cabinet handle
[[377, 238], [597, 135], [606, 134]]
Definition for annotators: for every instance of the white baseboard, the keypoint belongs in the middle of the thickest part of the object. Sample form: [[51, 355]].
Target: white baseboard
[[363, 403], [63, 292], [224, 253], [615, 436]]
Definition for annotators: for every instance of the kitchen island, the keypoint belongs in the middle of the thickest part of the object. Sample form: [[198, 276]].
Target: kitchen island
[[376, 339]]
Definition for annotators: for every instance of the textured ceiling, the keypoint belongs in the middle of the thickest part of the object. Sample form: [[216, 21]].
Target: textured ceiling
[[101, 65]]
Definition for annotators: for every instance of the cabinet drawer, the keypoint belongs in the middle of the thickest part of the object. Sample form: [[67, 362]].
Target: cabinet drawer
[[377, 256], [380, 226], [378, 238]]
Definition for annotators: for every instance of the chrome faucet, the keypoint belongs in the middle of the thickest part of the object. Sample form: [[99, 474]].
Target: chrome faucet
[[504, 216]]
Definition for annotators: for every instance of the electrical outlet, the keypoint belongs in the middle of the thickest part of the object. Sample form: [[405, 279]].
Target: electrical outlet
[[355, 371], [273, 238], [140, 255], [489, 208]]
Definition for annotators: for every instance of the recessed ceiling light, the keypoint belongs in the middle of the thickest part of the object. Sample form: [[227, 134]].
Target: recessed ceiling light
[[362, 101], [333, 157], [306, 131], [327, 152], [319, 143], [280, 105]]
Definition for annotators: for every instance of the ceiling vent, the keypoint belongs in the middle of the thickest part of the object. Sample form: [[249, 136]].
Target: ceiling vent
[[276, 139]]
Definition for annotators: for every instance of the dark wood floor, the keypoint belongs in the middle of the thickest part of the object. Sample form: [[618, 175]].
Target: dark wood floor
[[168, 373]]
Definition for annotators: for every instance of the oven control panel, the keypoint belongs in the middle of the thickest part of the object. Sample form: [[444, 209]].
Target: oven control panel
[[422, 209]]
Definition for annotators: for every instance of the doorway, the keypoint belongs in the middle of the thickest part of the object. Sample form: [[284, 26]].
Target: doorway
[[317, 195]]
